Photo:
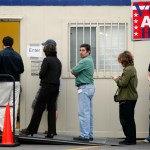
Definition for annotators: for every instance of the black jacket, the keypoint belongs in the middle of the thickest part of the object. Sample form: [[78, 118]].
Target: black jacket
[[50, 71], [10, 63]]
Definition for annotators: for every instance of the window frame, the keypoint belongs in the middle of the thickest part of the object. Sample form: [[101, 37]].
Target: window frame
[[70, 22]]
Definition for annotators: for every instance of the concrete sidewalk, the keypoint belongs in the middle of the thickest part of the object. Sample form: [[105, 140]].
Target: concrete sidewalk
[[139, 146]]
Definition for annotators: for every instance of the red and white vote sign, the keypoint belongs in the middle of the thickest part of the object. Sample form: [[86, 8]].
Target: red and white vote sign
[[141, 20]]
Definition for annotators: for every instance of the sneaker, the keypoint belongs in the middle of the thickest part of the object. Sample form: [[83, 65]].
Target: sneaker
[[80, 138], [125, 142], [146, 140]]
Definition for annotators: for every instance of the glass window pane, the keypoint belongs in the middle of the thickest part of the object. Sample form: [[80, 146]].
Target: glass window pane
[[93, 45], [87, 35], [72, 47], [79, 41], [112, 39]]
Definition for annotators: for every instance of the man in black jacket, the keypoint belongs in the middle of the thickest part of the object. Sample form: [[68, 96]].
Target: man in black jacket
[[10, 63]]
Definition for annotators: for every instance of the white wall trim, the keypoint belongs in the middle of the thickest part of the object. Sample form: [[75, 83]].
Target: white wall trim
[[10, 18]]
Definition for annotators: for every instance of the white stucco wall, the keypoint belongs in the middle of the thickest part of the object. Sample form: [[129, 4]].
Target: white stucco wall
[[40, 23]]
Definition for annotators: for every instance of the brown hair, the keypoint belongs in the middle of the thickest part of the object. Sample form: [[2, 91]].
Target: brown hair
[[126, 58], [49, 50]]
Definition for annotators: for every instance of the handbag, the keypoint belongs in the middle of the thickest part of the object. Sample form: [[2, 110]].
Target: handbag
[[115, 96]]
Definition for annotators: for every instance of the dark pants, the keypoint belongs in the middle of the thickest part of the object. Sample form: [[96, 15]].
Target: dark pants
[[47, 96], [126, 114], [149, 122]]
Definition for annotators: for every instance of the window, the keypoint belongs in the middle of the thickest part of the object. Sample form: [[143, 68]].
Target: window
[[78, 36], [107, 40]]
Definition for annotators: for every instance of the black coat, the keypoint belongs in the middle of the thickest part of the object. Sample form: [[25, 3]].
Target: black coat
[[10, 63], [50, 71]]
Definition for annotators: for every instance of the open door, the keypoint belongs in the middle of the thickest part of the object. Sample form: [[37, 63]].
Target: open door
[[12, 29]]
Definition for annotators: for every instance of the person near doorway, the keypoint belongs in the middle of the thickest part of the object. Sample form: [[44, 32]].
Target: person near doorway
[[127, 97], [147, 140], [49, 89], [84, 81], [10, 63]]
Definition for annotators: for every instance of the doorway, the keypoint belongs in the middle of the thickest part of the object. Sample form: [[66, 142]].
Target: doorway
[[12, 29]]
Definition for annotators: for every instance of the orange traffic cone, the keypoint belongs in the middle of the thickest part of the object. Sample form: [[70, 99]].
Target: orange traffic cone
[[7, 135]]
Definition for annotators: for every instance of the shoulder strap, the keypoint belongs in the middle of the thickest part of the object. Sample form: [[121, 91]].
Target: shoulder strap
[[117, 91]]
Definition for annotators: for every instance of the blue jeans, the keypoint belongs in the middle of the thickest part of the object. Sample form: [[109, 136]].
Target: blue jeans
[[85, 112]]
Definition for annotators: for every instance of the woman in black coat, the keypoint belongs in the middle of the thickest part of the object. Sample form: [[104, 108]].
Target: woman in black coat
[[50, 79]]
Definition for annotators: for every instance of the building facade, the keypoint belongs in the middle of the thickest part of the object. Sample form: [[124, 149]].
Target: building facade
[[107, 27]]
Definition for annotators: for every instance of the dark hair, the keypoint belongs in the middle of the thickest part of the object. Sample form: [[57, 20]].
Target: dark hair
[[50, 50], [87, 46], [8, 41], [126, 58]]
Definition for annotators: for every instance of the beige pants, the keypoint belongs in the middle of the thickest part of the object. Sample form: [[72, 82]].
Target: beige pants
[[6, 96]]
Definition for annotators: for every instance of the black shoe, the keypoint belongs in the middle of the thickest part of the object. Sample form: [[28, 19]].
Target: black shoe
[[80, 138], [49, 136], [125, 142], [91, 139], [46, 132], [25, 132]]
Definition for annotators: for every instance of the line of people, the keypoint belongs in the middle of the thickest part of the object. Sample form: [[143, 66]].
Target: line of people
[[50, 72], [127, 95]]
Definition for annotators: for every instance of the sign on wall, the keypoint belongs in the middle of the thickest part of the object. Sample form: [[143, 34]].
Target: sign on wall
[[141, 20], [35, 67], [34, 50]]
